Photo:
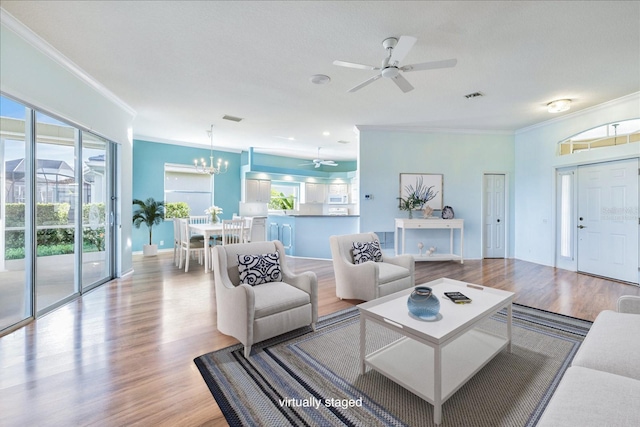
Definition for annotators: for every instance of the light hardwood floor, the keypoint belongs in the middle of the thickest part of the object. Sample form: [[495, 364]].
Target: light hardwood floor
[[123, 353]]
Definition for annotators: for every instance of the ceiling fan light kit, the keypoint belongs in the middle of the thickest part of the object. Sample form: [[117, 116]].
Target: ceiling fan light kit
[[397, 50]]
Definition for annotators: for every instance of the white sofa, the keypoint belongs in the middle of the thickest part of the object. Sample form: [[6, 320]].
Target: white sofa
[[602, 386]]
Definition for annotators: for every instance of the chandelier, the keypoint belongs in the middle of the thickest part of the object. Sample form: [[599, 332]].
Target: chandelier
[[213, 168]]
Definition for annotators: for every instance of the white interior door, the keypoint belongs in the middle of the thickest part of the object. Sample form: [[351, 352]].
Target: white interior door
[[494, 216], [608, 219]]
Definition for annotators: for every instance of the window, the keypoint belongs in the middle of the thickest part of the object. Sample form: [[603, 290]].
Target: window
[[284, 195], [184, 184], [609, 135]]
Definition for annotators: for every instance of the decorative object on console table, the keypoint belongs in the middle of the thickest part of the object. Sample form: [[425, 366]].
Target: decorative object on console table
[[416, 196], [425, 187], [214, 211], [447, 212], [423, 304]]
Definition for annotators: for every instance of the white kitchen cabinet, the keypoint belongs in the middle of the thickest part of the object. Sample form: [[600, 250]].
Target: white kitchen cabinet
[[342, 189], [257, 190], [314, 193]]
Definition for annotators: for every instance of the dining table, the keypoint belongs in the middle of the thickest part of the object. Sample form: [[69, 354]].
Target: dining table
[[207, 230]]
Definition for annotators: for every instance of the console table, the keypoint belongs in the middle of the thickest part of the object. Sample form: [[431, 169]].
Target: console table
[[430, 224]]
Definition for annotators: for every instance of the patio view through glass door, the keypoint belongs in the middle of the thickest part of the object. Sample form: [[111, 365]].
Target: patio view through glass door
[[56, 206], [56, 212], [15, 289], [97, 220]]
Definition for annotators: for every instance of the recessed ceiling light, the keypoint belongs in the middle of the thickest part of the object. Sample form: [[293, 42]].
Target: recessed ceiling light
[[559, 105], [320, 79], [326, 133], [291, 138]]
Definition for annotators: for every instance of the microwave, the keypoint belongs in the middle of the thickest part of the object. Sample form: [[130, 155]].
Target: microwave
[[337, 199]]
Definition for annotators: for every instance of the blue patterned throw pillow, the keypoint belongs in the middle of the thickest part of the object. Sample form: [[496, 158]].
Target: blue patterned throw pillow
[[258, 269], [366, 251]]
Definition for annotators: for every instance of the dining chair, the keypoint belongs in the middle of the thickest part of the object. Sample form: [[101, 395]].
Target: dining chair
[[248, 224], [232, 231], [199, 219], [189, 246], [176, 240]]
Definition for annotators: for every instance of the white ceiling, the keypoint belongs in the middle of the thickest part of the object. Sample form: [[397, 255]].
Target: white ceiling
[[183, 65]]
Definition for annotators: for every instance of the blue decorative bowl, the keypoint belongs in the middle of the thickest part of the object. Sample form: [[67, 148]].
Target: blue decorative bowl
[[423, 304]]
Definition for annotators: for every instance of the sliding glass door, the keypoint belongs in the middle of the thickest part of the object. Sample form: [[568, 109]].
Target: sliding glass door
[[56, 212], [56, 208], [15, 286], [97, 219]]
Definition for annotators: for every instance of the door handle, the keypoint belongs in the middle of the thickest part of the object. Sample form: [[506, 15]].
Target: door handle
[[582, 226]]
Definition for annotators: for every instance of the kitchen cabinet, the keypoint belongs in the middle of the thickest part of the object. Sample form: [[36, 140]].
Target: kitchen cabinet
[[314, 193], [281, 227], [257, 190], [342, 189]]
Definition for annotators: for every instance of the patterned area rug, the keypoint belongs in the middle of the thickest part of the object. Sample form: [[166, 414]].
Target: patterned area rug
[[310, 378]]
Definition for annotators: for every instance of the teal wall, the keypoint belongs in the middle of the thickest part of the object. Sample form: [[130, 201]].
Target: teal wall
[[148, 181], [462, 159]]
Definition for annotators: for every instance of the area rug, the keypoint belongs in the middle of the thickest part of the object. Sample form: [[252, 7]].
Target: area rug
[[307, 378]]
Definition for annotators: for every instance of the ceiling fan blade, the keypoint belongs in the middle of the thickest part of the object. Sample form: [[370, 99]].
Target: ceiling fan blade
[[329, 163], [405, 43], [447, 63], [402, 83], [364, 83], [354, 65]]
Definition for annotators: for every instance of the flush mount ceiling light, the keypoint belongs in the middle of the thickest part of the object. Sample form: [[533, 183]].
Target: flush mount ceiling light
[[320, 79], [559, 105]]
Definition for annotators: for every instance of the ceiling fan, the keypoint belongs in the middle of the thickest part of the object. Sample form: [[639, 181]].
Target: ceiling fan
[[397, 49], [317, 162]]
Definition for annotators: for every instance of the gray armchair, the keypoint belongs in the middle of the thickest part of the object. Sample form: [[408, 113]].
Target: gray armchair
[[255, 313], [369, 280]]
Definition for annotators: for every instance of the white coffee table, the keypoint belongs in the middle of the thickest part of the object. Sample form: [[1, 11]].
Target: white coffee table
[[452, 345]]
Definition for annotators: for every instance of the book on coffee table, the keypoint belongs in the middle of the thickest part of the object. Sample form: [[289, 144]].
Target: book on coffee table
[[458, 297]]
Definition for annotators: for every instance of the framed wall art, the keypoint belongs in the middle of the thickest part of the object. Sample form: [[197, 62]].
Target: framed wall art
[[422, 184]]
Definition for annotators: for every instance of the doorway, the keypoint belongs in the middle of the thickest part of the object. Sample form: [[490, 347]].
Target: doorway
[[607, 219], [494, 197]]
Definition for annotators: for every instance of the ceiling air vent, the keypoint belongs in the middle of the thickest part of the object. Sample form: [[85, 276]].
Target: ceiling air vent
[[342, 141], [232, 118], [473, 95]]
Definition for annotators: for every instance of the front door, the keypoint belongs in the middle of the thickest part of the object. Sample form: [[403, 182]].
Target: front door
[[608, 219]]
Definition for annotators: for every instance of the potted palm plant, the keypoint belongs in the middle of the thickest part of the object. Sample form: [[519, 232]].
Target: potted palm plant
[[150, 213]]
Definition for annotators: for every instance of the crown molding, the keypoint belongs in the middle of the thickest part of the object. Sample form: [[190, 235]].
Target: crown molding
[[425, 129], [595, 108], [156, 140], [12, 24]]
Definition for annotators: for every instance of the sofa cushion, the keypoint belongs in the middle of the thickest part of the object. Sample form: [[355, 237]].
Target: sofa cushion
[[274, 297], [586, 397], [259, 268], [612, 345], [389, 272], [366, 251]]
